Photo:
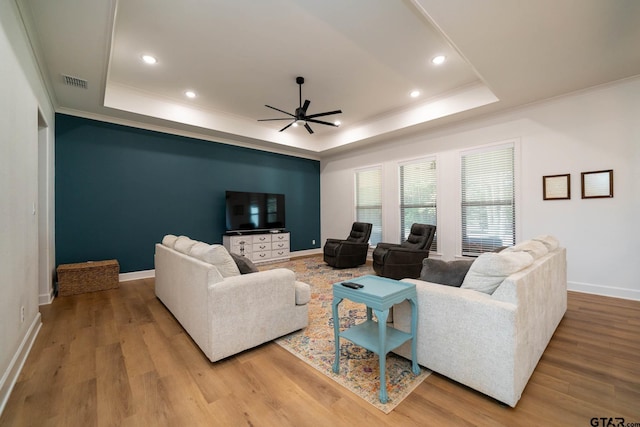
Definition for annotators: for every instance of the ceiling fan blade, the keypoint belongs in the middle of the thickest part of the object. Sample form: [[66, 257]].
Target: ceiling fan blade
[[306, 125], [286, 126], [277, 109], [268, 120], [321, 122], [305, 106], [328, 113]]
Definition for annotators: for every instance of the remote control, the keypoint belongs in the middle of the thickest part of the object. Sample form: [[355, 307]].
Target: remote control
[[352, 285]]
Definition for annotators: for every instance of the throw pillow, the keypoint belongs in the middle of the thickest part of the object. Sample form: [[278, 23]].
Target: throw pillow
[[184, 244], [534, 248], [549, 241], [490, 269], [217, 256], [450, 273], [169, 240], [245, 265]]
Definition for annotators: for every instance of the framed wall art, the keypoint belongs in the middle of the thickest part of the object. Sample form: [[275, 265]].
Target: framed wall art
[[597, 184], [556, 187]]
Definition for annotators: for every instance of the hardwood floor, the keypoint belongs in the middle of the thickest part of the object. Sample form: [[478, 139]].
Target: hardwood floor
[[118, 357]]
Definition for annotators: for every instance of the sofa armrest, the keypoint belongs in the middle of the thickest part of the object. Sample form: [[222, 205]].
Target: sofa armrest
[[303, 293], [248, 310], [237, 294], [463, 334], [444, 309]]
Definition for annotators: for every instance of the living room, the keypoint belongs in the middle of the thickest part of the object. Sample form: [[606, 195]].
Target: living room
[[587, 130]]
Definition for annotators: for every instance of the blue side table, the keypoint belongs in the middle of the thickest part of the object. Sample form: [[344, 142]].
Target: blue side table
[[379, 294]]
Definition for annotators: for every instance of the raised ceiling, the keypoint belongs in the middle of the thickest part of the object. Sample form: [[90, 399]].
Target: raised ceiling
[[361, 56]]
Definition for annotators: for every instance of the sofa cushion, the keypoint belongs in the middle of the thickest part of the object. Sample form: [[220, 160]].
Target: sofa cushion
[[217, 256], [169, 240], [490, 269], [450, 273], [549, 241], [245, 265], [535, 248], [184, 244]]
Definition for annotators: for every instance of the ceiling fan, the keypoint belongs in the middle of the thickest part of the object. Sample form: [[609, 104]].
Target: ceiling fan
[[300, 118]]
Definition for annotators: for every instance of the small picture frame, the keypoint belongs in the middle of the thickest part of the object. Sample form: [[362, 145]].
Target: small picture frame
[[597, 184], [556, 187]]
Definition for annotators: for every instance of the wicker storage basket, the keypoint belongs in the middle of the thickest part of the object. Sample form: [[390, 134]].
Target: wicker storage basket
[[87, 277]]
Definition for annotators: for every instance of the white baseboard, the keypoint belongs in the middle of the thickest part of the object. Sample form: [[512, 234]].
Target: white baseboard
[[45, 299], [305, 253], [135, 275], [10, 376], [607, 291]]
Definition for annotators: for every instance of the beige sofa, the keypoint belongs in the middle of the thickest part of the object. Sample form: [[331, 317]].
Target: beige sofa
[[226, 312], [490, 342]]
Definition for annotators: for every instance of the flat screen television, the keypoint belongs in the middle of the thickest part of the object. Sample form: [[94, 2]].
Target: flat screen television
[[254, 211]]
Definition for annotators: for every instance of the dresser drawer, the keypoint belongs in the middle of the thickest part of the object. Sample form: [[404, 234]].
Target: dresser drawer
[[262, 238], [262, 246], [280, 253], [280, 245], [261, 256]]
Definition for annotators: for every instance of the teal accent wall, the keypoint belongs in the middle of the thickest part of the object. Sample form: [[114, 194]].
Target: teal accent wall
[[119, 190]]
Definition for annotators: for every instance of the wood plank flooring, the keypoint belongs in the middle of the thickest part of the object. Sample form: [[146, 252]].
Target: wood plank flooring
[[119, 358]]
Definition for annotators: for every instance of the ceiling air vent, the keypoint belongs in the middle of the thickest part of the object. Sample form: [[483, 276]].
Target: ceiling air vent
[[75, 82]]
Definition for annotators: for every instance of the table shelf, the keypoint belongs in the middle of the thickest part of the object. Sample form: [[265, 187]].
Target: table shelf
[[366, 335]]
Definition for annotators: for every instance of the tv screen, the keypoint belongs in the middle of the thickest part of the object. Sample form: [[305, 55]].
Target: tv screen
[[254, 211]]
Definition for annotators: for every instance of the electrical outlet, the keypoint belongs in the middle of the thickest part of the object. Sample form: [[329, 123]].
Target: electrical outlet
[[22, 314], [313, 242]]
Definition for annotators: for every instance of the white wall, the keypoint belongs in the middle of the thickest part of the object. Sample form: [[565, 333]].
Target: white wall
[[591, 130], [22, 95]]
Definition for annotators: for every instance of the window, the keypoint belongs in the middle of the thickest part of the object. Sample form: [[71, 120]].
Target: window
[[369, 200], [488, 199], [418, 190]]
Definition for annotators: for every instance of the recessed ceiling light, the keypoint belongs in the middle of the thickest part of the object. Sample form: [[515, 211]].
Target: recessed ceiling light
[[190, 94], [149, 59], [415, 94], [438, 59]]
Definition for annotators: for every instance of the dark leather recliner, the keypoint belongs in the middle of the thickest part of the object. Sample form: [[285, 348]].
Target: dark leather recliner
[[404, 260], [351, 252]]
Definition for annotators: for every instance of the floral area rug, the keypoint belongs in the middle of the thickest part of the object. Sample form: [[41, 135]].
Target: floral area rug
[[359, 368]]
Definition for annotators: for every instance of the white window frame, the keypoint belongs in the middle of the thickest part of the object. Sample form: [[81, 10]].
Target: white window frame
[[432, 158], [515, 143], [380, 169]]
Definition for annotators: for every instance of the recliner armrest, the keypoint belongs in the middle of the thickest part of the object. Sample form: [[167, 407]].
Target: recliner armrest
[[387, 245], [351, 248], [402, 255], [334, 241]]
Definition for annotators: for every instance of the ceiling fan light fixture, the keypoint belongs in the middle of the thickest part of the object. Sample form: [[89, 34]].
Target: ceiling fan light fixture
[[301, 118]]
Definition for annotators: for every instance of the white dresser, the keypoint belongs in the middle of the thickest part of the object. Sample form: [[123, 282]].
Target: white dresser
[[259, 247]]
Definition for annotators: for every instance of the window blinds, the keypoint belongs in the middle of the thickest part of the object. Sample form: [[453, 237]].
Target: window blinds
[[488, 200], [369, 200], [418, 191]]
